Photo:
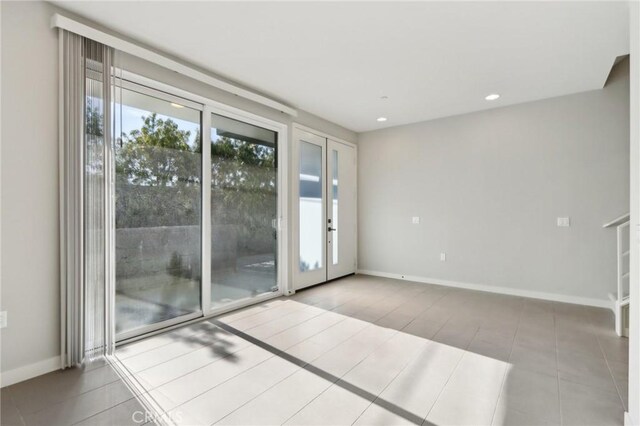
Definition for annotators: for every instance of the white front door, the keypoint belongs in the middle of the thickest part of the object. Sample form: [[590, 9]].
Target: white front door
[[325, 209]]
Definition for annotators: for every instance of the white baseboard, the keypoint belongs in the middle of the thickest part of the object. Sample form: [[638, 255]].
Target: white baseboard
[[30, 371], [628, 421], [554, 297]]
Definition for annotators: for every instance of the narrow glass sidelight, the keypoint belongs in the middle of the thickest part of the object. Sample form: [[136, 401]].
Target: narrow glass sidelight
[[312, 223], [244, 211], [334, 206]]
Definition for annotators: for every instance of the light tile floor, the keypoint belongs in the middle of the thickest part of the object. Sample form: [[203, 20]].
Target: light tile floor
[[360, 350]]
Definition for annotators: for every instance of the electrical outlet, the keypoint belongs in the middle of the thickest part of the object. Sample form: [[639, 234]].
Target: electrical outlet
[[564, 222], [443, 257], [3, 319], [415, 220]]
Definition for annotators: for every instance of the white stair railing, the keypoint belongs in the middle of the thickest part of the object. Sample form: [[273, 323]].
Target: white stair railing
[[621, 299]]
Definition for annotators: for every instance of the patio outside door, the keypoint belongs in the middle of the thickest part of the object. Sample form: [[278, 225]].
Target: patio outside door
[[325, 188], [200, 208]]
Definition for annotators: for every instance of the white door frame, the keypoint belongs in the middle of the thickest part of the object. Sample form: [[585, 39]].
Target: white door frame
[[295, 216]]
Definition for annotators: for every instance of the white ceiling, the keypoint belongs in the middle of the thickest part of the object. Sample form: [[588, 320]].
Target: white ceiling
[[431, 59]]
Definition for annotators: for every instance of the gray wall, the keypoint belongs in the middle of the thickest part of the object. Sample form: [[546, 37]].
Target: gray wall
[[30, 244], [489, 186]]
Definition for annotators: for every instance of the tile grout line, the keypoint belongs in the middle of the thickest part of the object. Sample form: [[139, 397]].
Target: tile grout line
[[424, 420], [417, 317], [302, 367], [447, 322], [248, 369], [339, 378], [165, 334], [84, 393], [375, 301], [245, 403], [326, 297], [615, 382], [216, 360], [22, 419], [200, 322], [147, 393], [249, 307], [284, 317], [208, 364], [404, 367], [607, 361], [350, 292], [555, 329], [279, 318], [217, 385], [201, 347], [72, 397], [504, 378], [102, 411], [447, 382], [203, 333]]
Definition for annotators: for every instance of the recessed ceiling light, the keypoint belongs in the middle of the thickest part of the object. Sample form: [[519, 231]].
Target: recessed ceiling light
[[381, 119], [175, 105], [492, 97]]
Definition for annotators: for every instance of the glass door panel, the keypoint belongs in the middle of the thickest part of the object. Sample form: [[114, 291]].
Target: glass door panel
[[334, 237], [310, 190], [244, 211], [158, 164], [311, 209], [341, 211]]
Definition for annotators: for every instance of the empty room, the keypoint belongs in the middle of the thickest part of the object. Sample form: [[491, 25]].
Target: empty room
[[319, 213]]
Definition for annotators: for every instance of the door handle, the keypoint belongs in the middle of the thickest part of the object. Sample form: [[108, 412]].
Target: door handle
[[330, 229]]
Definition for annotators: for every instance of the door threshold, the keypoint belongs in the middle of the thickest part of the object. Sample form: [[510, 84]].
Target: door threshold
[[325, 282], [223, 310]]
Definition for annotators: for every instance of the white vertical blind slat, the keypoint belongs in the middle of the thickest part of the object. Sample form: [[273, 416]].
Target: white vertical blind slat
[[85, 234]]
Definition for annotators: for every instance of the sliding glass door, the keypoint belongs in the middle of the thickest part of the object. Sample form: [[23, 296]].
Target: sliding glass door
[[158, 162], [244, 210], [196, 225]]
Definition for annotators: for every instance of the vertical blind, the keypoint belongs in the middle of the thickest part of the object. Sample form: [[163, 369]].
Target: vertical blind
[[86, 198]]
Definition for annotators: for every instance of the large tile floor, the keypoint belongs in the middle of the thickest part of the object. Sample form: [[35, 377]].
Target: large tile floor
[[361, 350]]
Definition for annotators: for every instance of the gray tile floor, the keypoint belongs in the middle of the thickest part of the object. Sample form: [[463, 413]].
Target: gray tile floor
[[361, 350]]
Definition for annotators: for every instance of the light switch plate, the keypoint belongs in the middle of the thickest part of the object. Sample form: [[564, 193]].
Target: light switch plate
[[415, 220], [564, 222], [443, 257], [3, 319]]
